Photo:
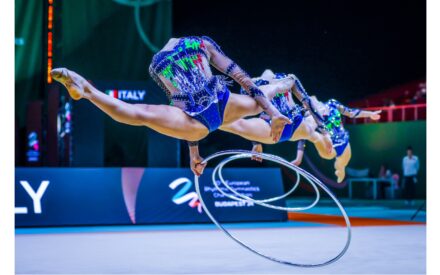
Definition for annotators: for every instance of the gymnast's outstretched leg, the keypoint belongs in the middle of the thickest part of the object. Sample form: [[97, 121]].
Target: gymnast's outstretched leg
[[167, 120], [341, 162], [321, 145], [254, 129], [240, 106], [321, 142], [257, 129]]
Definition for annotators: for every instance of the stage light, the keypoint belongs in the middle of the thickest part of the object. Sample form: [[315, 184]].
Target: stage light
[[50, 15]]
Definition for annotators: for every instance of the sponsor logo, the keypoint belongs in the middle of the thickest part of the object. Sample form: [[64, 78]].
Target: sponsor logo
[[243, 187], [183, 195], [127, 95]]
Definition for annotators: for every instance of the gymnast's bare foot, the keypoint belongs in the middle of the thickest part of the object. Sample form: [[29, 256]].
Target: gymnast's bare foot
[[75, 84], [277, 125], [340, 174], [285, 83]]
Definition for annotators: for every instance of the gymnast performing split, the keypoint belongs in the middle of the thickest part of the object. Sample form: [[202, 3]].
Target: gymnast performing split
[[303, 126], [332, 112], [258, 129], [200, 102]]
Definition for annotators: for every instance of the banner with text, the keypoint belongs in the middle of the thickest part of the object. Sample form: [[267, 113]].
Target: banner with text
[[105, 196]]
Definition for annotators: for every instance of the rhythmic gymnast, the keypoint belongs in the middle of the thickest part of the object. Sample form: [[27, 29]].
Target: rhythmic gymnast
[[258, 129], [331, 113], [303, 127], [200, 102]]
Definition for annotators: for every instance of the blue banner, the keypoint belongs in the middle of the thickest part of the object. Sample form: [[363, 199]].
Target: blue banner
[[105, 196]]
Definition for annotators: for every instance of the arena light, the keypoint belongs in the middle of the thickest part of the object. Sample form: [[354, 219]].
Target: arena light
[[50, 15]]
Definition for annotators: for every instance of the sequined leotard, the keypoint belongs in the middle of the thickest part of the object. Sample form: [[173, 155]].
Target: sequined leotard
[[281, 102], [333, 124], [184, 74]]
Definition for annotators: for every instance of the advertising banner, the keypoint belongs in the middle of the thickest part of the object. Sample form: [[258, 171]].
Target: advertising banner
[[105, 196]]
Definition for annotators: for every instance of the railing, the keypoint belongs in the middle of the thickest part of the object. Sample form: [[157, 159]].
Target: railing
[[393, 114]]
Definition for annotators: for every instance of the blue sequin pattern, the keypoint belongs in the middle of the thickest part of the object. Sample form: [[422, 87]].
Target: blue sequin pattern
[[279, 101], [183, 67], [333, 125]]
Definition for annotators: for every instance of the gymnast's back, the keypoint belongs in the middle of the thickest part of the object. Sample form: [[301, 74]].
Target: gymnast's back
[[182, 70], [182, 65]]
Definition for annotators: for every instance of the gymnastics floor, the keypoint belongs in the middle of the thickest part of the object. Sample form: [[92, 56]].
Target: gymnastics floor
[[392, 245]]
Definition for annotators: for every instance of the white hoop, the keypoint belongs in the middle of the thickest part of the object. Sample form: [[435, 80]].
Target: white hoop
[[310, 178], [240, 197]]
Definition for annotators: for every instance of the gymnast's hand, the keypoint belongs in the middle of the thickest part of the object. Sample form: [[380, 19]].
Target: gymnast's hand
[[375, 115], [197, 166], [296, 162], [257, 148], [277, 124]]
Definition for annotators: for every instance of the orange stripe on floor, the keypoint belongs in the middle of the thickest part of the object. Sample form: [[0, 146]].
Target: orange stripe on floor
[[339, 220]]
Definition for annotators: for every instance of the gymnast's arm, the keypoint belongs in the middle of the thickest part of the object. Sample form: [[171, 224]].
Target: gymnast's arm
[[356, 113], [257, 147], [300, 93], [299, 152], [195, 159], [224, 64]]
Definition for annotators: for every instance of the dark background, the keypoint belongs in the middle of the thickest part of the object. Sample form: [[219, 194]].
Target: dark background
[[341, 49]]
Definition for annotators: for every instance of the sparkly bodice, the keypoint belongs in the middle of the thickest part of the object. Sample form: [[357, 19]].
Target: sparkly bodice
[[280, 101], [333, 123], [184, 74]]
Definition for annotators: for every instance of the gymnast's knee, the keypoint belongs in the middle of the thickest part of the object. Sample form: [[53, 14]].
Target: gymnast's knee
[[141, 115], [327, 156], [194, 137], [231, 127], [314, 137]]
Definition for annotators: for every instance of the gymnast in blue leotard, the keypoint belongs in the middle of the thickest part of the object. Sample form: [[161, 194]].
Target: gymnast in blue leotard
[[331, 113], [284, 103], [258, 129], [304, 125], [200, 102]]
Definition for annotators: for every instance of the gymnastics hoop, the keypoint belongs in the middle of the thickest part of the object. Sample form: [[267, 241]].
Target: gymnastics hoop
[[240, 197], [245, 154]]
